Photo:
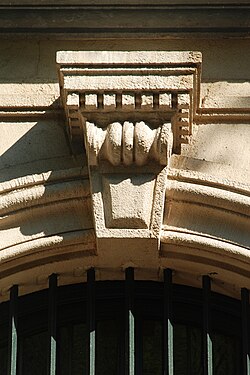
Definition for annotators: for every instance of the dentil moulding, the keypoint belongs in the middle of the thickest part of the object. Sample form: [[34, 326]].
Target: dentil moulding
[[132, 110]]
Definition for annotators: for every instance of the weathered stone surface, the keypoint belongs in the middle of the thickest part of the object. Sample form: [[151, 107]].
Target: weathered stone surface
[[47, 222]]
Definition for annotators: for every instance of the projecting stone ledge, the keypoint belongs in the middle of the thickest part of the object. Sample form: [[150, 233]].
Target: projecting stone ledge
[[132, 110]]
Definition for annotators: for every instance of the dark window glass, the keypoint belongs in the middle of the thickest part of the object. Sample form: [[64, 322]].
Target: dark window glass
[[34, 354], [152, 347], [3, 359], [72, 348], [226, 351], [107, 348]]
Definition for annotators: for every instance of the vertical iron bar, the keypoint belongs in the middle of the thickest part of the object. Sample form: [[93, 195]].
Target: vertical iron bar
[[130, 323], [189, 353], [91, 321], [207, 341], [245, 330], [139, 347], [12, 355], [168, 334], [70, 343], [52, 324]]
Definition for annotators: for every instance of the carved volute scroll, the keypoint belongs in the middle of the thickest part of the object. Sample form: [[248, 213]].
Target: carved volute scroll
[[133, 109]]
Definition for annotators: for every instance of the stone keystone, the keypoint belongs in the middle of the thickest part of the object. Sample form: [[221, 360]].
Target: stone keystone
[[132, 110]]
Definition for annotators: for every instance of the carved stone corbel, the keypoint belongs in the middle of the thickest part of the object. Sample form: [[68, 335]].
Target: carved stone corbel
[[133, 110]]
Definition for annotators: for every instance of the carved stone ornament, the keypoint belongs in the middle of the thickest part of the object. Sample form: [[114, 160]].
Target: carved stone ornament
[[133, 109]]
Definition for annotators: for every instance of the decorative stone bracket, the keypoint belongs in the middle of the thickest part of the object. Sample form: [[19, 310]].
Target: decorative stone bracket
[[133, 109]]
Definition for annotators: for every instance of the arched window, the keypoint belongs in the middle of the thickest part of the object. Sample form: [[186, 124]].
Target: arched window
[[123, 327]]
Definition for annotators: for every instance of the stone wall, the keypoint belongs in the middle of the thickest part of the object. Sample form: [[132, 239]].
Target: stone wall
[[46, 211]]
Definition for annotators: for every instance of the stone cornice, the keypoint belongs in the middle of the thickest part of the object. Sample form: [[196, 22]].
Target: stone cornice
[[120, 2], [151, 87], [131, 20]]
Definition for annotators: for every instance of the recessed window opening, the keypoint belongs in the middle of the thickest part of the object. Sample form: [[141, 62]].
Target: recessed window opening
[[124, 327]]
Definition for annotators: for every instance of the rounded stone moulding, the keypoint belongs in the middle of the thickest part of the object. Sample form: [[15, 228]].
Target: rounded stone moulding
[[47, 226]]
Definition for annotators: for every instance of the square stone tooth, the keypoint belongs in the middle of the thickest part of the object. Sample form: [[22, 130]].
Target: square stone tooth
[[109, 101], [128, 101], [91, 102], [147, 101], [73, 100], [183, 101], [164, 101]]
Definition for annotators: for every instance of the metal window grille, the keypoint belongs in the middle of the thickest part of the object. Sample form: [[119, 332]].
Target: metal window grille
[[130, 363]]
